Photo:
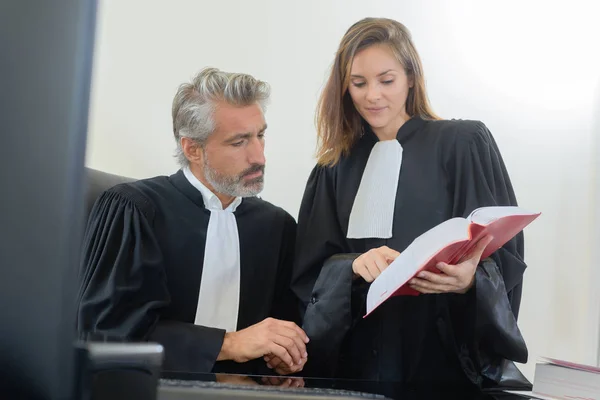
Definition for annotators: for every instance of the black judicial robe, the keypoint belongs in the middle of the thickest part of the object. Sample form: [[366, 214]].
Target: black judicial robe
[[142, 265], [449, 168]]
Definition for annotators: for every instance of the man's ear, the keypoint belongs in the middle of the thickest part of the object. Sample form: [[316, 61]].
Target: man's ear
[[192, 150]]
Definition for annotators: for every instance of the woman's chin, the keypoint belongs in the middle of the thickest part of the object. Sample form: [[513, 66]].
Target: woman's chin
[[376, 123]]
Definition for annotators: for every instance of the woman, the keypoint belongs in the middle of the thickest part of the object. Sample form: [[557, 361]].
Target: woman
[[389, 169]]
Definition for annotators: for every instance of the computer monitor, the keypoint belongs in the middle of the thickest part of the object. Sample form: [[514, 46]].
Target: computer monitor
[[45, 71]]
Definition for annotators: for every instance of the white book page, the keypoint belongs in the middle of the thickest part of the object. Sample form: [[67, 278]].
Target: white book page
[[487, 215], [410, 260], [568, 364]]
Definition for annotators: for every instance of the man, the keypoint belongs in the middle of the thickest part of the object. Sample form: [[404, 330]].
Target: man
[[195, 261]]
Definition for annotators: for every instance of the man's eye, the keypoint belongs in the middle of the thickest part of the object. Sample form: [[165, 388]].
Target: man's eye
[[237, 144]]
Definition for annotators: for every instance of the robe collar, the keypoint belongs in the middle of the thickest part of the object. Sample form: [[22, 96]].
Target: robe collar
[[406, 131]]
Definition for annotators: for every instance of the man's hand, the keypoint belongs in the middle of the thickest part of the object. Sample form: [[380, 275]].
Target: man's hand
[[275, 363], [284, 339], [457, 278], [372, 263]]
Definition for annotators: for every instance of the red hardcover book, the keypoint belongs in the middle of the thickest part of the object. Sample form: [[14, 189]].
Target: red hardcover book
[[447, 242]]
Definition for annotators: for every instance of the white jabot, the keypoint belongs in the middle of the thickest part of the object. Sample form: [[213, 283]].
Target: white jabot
[[372, 214], [219, 296]]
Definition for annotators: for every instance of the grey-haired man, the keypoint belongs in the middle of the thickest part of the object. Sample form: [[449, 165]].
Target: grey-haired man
[[195, 261]]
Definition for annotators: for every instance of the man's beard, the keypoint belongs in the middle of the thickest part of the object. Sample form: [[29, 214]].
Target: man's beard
[[235, 186]]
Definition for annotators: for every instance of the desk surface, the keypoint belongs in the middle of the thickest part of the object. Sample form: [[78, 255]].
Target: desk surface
[[180, 386]]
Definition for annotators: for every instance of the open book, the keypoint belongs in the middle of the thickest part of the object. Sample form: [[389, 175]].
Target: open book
[[447, 242]]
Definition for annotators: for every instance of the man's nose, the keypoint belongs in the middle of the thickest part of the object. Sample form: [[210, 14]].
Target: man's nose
[[256, 152]]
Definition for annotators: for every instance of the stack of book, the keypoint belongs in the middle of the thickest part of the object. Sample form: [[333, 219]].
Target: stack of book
[[557, 379]]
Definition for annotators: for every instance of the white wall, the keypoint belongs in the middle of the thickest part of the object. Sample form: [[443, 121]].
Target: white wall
[[528, 69]]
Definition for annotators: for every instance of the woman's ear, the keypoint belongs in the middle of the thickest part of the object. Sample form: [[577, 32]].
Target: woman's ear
[[410, 78]]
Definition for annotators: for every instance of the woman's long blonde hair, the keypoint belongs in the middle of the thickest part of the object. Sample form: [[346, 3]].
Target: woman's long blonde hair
[[338, 122]]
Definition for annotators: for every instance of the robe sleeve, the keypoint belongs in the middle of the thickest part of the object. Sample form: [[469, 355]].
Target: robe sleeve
[[285, 302], [123, 285], [322, 277], [480, 178]]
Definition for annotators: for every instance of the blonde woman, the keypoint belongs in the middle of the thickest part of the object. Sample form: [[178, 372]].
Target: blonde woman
[[389, 169]]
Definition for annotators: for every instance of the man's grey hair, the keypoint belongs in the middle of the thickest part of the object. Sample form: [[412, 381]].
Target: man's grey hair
[[194, 103]]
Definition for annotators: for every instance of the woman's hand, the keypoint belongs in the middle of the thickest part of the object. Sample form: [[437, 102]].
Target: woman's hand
[[457, 278], [371, 264]]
